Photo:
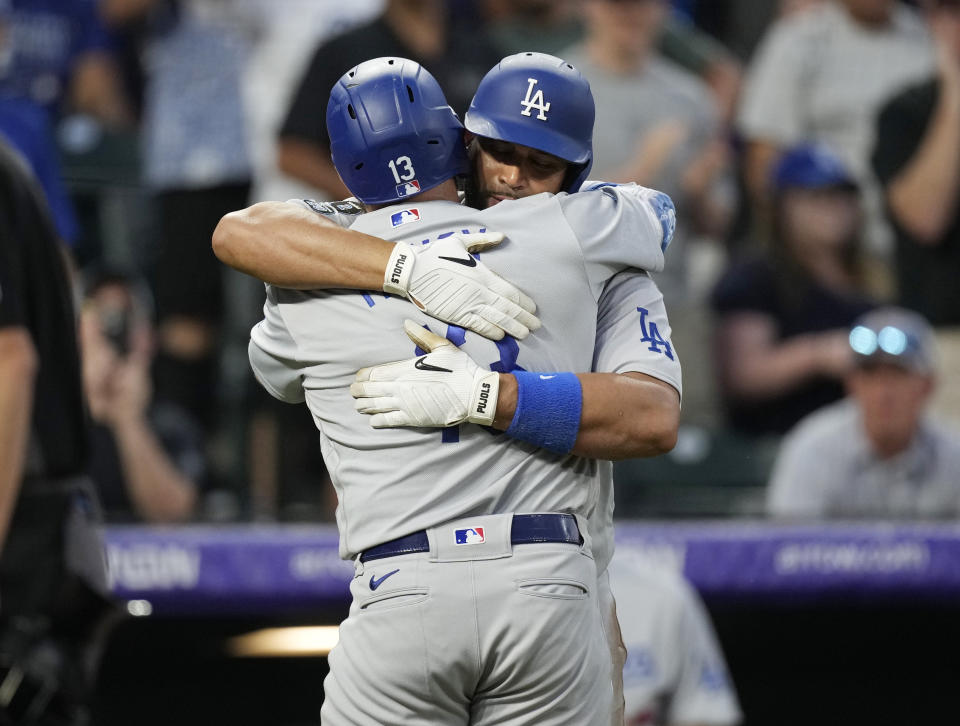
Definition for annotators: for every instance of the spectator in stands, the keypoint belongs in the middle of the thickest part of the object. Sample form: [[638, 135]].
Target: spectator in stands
[[688, 45], [821, 75], [740, 24], [876, 454], [917, 160], [288, 33], [545, 26], [783, 316], [195, 161], [416, 29], [52, 568], [675, 674], [552, 26], [56, 59], [147, 455], [60, 58], [27, 127], [656, 124]]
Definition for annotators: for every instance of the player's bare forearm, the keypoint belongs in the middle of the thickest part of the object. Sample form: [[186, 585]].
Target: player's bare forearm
[[18, 365], [621, 416], [922, 197], [754, 363], [624, 416], [291, 247], [159, 492]]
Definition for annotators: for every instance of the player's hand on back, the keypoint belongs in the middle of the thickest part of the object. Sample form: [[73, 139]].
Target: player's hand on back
[[442, 388], [445, 281]]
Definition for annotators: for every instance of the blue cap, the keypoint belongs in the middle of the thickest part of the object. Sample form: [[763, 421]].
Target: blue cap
[[392, 134], [897, 336], [540, 101], [811, 166]]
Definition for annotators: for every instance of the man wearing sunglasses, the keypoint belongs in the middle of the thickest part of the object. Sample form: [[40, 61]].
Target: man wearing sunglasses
[[877, 453]]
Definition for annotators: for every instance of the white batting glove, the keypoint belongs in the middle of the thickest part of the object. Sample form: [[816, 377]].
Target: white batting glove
[[442, 388], [447, 283]]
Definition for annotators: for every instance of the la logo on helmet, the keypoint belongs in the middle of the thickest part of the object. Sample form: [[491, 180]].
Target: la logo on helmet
[[536, 101]]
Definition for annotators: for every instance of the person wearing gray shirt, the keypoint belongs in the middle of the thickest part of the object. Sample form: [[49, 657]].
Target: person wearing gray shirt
[[877, 453], [657, 124]]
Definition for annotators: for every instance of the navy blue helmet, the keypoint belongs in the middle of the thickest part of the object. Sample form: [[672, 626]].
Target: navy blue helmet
[[540, 101], [392, 132]]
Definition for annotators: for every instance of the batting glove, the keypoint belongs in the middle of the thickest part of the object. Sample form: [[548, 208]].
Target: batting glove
[[442, 388], [447, 283]]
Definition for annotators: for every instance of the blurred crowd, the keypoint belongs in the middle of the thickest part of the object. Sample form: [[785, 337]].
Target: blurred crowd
[[812, 148]]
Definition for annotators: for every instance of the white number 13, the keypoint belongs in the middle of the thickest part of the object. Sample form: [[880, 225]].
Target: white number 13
[[406, 166]]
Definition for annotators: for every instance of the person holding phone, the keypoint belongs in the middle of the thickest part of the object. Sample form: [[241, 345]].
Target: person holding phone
[[147, 455]]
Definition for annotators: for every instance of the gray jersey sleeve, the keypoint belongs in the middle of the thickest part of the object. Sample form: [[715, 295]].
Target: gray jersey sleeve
[[620, 226], [633, 332], [273, 354]]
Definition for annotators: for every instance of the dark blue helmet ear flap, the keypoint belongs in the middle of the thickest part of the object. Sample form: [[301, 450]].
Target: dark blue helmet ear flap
[[392, 133], [540, 101]]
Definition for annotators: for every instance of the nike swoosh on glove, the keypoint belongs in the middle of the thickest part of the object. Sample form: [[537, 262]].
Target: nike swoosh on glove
[[442, 388], [444, 281]]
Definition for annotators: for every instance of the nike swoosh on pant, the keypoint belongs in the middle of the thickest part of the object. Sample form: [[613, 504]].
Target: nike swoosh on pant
[[376, 582]]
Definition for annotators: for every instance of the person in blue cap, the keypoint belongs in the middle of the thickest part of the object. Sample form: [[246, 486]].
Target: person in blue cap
[[783, 314]]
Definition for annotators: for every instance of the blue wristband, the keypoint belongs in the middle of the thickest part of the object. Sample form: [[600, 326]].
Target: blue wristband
[[548, 410]]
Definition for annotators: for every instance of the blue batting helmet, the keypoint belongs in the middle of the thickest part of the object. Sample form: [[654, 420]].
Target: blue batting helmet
[[392, 133], [540, 101]]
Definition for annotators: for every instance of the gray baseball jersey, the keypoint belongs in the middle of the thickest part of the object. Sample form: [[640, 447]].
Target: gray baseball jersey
[[563, 250], [675, 671], [633, 334], [630, 319]]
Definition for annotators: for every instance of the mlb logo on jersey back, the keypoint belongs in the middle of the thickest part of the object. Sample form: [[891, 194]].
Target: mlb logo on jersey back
[[408, 188], [471, 535], [404, 216]]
